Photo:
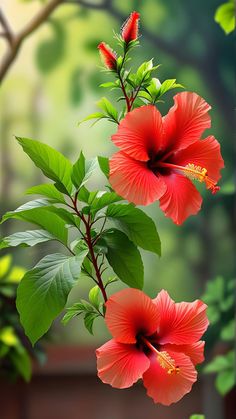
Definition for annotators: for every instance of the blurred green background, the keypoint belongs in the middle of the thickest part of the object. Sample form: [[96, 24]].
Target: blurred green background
[[53, 83]]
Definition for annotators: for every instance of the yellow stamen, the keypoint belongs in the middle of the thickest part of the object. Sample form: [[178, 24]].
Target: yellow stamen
[[163, 358]]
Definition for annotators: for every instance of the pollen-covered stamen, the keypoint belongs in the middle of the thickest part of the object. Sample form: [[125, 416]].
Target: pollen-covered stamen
[[163, 358], [194, 172]]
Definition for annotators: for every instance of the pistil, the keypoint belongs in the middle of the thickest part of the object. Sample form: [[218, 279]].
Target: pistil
[[194, 172], [163, 358]]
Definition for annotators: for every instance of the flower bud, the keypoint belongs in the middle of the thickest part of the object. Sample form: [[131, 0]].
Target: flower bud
[[108, 56], [129, 31]]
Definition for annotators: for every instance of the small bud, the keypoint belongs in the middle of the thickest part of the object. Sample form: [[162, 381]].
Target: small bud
[[108, 56], [129, 30]]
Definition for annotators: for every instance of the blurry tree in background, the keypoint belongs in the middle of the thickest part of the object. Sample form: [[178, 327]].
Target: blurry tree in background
[[53, 82]]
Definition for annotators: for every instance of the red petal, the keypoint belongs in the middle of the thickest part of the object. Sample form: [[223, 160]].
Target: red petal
[[140, 133], [130, 312], [205, 153], [120, 365], [185, 121], [181, 198], [167, 388], [195, 351], [134, 181], [180, 323]]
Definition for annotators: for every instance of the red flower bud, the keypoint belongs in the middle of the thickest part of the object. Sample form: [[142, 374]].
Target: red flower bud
[[108, 56], [129, 30]]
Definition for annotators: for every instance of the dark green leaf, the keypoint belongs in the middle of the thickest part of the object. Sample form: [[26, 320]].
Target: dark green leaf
[[88, 321], [124, 258], [43, 292], [47, 190], [104, 165], [22, 362], [52, 163], [225, 381], [137, 225], [82, 170], [103, 199]]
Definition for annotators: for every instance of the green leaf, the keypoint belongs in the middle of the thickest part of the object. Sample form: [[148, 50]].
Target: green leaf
[[168, 85], [47, 190], [137, 225], [108, 108], [228, 331], [103, 199], [225, 16], [37, 203], [214, 290], [5, 264], [22, 362], [94, 296], [26, 238], [73, 311], [45, 219], [196, 416], [69, 218], [82, 170], [225, 381], [43, 292], [220, 363], [104, 165], [52, 163], [8, 336], [124, 258], [88, 321], [95, 115]]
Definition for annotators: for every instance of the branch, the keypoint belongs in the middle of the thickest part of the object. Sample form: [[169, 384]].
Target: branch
[[15, 40]]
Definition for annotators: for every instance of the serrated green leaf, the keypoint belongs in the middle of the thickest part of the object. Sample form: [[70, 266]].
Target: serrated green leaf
[[44, 218], [124, 258], [43, 292], [47, 190], [137, 225], [52, 163], [108, 108], [104, 165], [82, 170], [26, 238]]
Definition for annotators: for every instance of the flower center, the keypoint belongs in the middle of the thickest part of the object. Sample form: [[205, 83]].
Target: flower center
[[192, 171], [163, 358]]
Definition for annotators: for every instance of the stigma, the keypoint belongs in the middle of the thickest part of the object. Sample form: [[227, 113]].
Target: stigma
[[199, 173], [163, 358]]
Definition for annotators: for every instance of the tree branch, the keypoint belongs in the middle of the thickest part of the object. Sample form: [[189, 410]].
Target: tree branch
[[15, 40]]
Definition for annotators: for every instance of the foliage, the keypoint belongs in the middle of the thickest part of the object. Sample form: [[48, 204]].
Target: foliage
[[225, 16], [15, 358], [219, 296]]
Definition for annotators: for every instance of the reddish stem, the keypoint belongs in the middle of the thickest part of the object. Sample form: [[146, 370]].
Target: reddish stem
[[89, 242]]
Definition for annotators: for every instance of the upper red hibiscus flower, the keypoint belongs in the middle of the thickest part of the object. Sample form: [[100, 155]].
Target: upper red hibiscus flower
[[159, 155], [156, 340]]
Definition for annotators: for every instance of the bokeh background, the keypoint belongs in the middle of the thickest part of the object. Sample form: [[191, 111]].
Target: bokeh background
[[52, 84]]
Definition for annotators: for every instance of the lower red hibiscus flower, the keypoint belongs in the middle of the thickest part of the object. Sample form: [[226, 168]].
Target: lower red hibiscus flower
[[159, 156], [156, 340]]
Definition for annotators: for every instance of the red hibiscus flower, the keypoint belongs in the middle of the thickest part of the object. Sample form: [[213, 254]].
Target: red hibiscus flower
[[129, 31], [108, 56], [161, 155], [156, 340]]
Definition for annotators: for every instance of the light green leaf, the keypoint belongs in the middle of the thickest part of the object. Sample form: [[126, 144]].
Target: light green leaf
[[124, 258], [197, 417], [220, 363], [8, 336], [104, 165], [5, 264], [43, 292], [47, 190], [108, 108], [168, 85], [82, 170], [73, 311], [89, 320], [52, 163], [95, 115], [37, 203], [137, 225], [103, 199], [228, 331], [94, 296], [26, 238], [225, 16]]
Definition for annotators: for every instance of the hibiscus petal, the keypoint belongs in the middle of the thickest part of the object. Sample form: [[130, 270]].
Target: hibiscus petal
[[181, 198], [130, 312], [180, 323], [204, 153], [195, 351], [120, 365], [134, 181], [167, 388], [140, 133], [185, 121]]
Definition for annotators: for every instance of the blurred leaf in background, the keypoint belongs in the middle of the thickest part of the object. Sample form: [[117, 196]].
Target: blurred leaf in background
[[225, 16]]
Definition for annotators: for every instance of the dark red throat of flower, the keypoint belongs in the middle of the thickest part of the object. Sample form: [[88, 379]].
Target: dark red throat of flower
[[193, 172], [164, 359]]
